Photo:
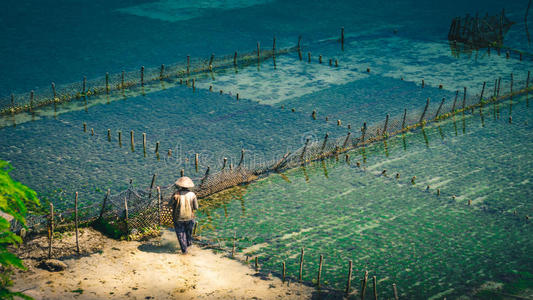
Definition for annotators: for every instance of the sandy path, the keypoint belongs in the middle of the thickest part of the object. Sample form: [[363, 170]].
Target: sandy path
[[152, 270]]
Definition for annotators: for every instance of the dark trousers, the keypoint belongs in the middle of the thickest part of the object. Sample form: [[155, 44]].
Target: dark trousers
[[184, 233]]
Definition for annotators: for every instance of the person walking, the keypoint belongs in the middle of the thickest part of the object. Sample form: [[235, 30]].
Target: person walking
[[184, 203]]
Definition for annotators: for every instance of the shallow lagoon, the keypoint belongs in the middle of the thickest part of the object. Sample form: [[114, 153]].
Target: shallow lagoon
[[400, 232]]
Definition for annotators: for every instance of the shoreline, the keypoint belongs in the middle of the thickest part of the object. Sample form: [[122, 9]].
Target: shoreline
[[153, 269]]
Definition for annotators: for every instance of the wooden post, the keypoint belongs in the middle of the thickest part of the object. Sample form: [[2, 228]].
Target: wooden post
[[395, 291], [122, 81], [31, 100], [50, 230], [304, 150], [84, 127], [256, 264], [234, 245], [455, 100], [132, 141], [196, 158], [224, 163], [375, 283], [494, 91], [193, 88], [13, 102], [76, 222], [206, 175], [159, 206], [404, 116], [320, 59], [241, 161], [348, 285], [188, 64], [92, 131], [126, 218], [423, 84], [162, 72], [527, 80], [324, 143], [363, 133], [274, 46], [142, 75], [346, 140], [120, 138], [319, 270], [144, 143], [424, 112], [258, 51], [283, 270], [498, 90], [363, 285], [464, 97], [54, 90], [308, 57], [107, 83], [440, 107], [157, 147], [512, 85], [84, 85], [109, 135], [386, 123], [104, 203], [342, 38], [152, 186], [235, 59], [182, 172], [299, 48], [301, 265], [483, 90]]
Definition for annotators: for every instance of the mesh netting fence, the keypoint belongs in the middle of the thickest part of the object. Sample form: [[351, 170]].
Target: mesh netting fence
[[135, 211], [110, 84]]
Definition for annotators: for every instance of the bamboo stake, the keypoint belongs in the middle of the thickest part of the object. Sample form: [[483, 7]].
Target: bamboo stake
[[152, 186], [455, 100], [440, 107], [104, 203], [144, 143], [304, 150], [242, 158], [483, 90], [498, 91], [346, 140], [464, 97], [319, 270], [132, 141], [159, 206], [126, 218], [76, 222], [54, 90], [234, 241], [395, 291], [424, 112], [386, 123], [51, 230], [363, 285], [324, 144], [283, 270], [348, 285], [107, 83], [301, 265], [142, 75], [375, 283]]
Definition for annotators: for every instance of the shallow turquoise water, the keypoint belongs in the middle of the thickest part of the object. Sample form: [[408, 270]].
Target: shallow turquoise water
[[400, 232]]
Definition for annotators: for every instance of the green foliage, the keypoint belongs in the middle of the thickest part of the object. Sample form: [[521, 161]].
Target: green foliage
[[14, 200]]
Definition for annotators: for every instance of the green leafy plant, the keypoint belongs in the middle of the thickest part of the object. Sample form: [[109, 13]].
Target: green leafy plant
[[15, 198]]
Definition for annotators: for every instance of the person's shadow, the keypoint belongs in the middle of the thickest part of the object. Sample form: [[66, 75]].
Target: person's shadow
[[167, 242]]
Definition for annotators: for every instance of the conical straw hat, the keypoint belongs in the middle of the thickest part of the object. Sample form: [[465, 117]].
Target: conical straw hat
[[185, 182]]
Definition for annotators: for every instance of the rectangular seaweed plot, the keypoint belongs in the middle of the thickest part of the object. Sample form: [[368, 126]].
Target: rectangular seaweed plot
[[403, 233], [51, 154]]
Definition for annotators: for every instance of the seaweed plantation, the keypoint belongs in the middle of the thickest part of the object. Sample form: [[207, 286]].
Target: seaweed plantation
[[385, 155]]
